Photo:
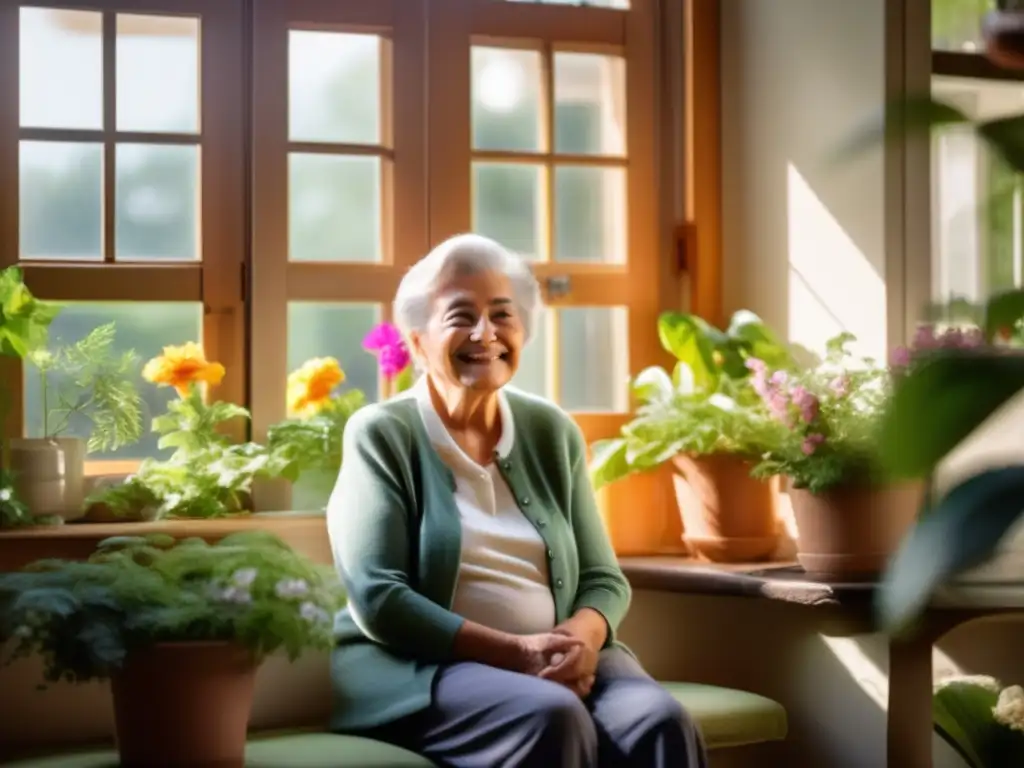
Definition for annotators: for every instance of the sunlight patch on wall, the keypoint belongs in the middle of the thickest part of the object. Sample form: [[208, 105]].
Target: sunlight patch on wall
[[832, 284]]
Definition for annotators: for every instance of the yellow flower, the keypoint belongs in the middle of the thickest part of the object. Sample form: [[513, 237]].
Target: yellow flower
[[181, 367], [310, 387]]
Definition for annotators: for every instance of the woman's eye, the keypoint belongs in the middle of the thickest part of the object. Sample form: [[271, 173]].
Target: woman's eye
[[502, 314], [461, 318]]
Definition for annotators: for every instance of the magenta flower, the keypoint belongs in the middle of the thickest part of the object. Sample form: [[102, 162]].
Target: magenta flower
[[811, 443], [806, 402], [840, 386], [385, 340]]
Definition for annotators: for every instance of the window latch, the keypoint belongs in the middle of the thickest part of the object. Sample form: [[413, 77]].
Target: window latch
[[558, 286]]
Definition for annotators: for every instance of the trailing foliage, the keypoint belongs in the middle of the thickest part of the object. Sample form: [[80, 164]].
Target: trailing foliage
[[85, 617], [89, 379], [206, 476], [705, 406]]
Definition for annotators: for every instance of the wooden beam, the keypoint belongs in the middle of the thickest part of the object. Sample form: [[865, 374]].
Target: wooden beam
[[703, 157]]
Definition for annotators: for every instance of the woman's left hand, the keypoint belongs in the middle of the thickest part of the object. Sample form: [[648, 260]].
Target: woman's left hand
[[575, 670]]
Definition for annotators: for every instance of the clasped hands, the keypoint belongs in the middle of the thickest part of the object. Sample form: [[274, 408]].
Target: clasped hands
[[561, 657]]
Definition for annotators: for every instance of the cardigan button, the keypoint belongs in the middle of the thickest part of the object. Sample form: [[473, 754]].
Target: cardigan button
[[541, 523], [558, 583], [551, 555], [525, 501]]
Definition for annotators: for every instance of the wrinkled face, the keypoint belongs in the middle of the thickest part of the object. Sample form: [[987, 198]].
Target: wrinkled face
[[475, 333]]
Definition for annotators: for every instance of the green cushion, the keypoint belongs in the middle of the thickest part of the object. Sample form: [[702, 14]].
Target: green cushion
[[730, 718], [727, 718], [328, 750]]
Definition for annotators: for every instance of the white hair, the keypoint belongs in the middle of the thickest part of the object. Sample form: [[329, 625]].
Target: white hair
[[461, 255]]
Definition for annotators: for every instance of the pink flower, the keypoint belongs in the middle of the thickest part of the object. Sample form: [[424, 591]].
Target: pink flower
[[392, 354], [756, 365], [779, 378], [840, 386], [811, 443], [924, 338], [806, 402], [900, 357]]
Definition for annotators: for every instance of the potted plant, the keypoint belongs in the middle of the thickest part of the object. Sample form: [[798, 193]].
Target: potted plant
[[179, 628], [307, 445], [84, 387], [981, 720], [207, 475], [707, 421], [850, 515]]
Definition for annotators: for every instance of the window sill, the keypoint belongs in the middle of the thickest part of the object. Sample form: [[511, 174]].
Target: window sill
[[75, 541], [776, 580]]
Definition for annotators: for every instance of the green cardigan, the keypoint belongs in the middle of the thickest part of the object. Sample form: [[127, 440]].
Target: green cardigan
[[396, 536]]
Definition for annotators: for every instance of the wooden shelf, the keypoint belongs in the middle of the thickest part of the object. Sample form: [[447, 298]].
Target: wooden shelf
[[76, 541]]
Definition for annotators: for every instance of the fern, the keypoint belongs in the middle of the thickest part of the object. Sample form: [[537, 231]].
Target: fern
[[90, 379], [84, 618]]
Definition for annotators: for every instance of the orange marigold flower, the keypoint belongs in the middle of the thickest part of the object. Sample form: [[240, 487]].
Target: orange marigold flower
[[181, 367], [310, 387]]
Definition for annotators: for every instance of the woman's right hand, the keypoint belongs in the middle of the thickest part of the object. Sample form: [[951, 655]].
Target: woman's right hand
[[544, 651]]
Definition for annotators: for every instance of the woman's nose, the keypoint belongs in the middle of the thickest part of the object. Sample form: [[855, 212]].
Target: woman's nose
[[484, 331]]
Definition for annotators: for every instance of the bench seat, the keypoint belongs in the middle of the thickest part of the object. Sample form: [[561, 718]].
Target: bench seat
[[728, 718]]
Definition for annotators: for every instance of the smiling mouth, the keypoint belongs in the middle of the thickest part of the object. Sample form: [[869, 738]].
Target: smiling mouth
[[481, 358]]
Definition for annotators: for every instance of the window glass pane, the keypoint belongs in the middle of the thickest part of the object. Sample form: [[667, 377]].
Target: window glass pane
[[977, 202], [60, 184], [590, 104], [956, 24], [590, 214], [157, 199], [334, 208], [61, 68], [508, 205], [146, 328], [532, 375], [617, 4], [319, 329], [334, 86], [593, 359], [157, 74], [507, 99]]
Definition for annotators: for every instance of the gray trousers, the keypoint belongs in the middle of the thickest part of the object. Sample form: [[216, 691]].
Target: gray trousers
[[484, 717]]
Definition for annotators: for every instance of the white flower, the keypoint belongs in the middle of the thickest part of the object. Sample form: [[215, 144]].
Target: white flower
[[244, 577], [982, 681], [1009, 710], [230, 594], [288, 589], [5, 494], [313, 613]]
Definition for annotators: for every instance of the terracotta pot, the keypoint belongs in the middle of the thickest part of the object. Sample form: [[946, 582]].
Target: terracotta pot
[[852, 531], [49, 475], [728, 516], [1004, 38], [179, 704]]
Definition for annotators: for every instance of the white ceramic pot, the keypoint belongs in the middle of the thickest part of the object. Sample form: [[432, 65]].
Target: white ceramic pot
[[49, 475]]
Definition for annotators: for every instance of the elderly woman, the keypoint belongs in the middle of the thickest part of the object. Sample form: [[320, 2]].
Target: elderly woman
[[483, 592]]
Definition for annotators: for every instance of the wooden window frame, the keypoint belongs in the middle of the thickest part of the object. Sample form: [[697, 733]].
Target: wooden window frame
[[217, 280], [246, 280]]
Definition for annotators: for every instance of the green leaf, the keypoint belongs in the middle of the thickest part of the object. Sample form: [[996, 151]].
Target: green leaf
[[1003, 312], [608, 462], [962, 713], [758, 340], [692, 341], [960, 532], [940, 402], [1006, 136], [653, 385], [913, 115]]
